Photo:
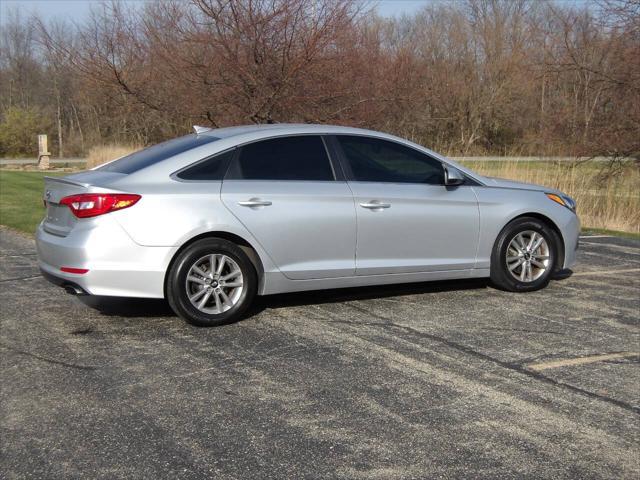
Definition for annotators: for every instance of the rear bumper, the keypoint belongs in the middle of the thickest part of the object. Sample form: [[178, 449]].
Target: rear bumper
[[117, 266], [64, 283]]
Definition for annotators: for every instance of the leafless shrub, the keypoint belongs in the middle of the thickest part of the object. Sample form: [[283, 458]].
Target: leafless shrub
[[100, 154], [470, 77]]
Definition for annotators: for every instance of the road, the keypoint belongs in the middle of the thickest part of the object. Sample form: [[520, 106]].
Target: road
[[34, 161], [439, 380]]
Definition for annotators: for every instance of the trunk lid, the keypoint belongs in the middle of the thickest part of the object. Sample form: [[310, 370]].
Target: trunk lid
[[59, 220]]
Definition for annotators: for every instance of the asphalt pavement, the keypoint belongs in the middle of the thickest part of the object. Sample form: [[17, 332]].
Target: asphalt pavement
[[432, 380]]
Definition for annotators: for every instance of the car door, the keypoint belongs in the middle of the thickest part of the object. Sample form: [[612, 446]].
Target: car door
[[407, 219], [285, 192]]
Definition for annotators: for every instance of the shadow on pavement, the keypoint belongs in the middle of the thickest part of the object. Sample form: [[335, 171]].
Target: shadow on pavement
[[366, 293], [128, 307], [145, 307], [562, 274]]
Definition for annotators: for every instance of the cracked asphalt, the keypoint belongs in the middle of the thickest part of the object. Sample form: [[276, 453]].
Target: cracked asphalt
[[433, 380]]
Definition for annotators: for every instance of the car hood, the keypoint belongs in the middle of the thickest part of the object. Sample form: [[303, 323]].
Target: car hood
[[504, 183]]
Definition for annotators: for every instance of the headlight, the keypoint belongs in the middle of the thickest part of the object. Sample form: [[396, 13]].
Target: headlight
[[564, 200]]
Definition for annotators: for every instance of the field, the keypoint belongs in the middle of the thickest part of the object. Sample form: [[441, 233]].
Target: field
[[21, 204], [608, 196]]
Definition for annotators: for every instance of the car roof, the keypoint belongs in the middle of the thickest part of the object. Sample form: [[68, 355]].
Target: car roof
[[283, 129], [231, 137]]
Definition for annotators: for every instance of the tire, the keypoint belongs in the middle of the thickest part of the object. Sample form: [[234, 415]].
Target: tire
[[511, 255], [206, 297]]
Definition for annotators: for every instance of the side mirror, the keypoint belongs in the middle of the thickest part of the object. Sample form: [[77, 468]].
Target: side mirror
[[453, 176]]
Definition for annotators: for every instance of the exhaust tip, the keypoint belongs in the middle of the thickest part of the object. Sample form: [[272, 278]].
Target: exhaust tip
[[73, 290]]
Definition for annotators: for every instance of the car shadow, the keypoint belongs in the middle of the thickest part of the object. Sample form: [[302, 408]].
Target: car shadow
[[127, 306], [338, 295], [562, 274], [144, 307]]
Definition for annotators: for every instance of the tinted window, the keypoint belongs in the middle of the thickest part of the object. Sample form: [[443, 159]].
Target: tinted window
[[157, 153], [289, 158], [210, 169], [376, 160]]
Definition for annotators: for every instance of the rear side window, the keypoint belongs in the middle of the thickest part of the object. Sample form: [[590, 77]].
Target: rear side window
[[288, 158], [377, 160], [212, 168], [156, 153]]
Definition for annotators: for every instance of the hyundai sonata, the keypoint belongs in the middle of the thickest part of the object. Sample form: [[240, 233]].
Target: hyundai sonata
[[211, 219]]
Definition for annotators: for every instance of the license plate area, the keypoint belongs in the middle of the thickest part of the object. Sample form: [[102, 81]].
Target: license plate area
[[59, 220]]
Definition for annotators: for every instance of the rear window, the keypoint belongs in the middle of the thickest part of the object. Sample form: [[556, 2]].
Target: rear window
[[212, 168], [157, 153]]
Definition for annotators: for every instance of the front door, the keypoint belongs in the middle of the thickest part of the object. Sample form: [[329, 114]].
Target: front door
[[407, 220]]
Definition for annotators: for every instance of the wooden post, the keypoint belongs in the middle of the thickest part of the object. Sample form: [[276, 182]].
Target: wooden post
[[43, 153]]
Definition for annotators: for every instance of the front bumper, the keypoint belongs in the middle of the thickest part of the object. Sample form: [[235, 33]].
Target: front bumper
[[117, 265], [571, 237]]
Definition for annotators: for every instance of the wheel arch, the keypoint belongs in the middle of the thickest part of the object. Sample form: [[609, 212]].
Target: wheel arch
[[246, 247], [554, 227]]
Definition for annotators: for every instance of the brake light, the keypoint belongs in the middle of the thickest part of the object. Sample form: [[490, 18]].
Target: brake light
[[93, 204]]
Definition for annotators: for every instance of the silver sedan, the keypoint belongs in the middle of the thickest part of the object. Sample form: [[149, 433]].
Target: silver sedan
[[211, 219]]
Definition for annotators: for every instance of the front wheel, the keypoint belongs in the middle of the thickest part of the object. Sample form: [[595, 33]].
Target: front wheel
[[524, 256], [212, 282]]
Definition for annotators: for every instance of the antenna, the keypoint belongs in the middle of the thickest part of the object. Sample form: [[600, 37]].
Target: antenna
[[198, 129]]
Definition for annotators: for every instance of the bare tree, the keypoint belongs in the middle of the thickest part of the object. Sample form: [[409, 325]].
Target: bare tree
[[466, 77]]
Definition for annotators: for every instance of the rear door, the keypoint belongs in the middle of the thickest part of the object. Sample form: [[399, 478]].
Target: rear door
[[287, 193], [408, 220]]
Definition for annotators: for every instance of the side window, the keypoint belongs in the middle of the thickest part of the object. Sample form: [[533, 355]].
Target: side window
[[377, 160], [287, 158], [212, 168]]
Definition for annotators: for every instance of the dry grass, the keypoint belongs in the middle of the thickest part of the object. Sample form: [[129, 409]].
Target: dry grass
[[608, 196], [105, 153]]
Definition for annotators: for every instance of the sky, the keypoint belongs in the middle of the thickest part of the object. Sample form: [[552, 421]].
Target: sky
[[78, 10]]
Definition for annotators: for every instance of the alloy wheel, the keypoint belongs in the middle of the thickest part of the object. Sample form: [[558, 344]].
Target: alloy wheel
[[528, 256], [214, 283]]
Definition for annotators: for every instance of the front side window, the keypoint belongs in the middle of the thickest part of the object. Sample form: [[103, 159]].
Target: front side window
[[377, 160], [288, 158]]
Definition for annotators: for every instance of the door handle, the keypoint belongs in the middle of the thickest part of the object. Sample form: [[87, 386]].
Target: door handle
[[254, 202], [375, 205]]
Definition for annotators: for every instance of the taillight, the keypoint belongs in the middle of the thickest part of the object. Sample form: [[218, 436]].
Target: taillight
[[93, 204]]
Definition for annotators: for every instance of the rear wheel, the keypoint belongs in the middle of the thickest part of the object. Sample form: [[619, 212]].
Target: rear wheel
[[524, 255], [212, 282]]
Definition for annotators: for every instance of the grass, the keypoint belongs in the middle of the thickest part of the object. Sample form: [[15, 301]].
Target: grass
[[105, 153], [613, 233], [608, 198], [21, 205]]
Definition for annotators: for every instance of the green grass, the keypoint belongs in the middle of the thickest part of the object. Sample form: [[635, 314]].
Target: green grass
[[613, 233], [21, 202], [21, 205]]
